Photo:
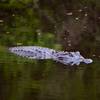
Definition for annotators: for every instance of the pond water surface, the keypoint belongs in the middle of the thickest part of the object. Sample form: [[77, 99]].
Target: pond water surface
[[74, 28], [48, 80]]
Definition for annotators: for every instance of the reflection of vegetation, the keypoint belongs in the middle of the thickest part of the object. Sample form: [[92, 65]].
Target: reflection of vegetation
[[22, 27], [21, 20], [45, 23]]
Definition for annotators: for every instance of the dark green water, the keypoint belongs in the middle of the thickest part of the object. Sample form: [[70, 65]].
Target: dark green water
[[22, 79]]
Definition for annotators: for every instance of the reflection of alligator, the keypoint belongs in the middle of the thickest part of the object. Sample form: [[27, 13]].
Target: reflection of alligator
[[36, 52]]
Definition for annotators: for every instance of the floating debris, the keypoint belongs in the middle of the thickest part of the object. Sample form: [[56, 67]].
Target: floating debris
[[69, 44], [93, 55], [80, 10], [85, 14], [13, 14], [39, 33], [1, 21], [69, 13], [76, 18], [37, 52]]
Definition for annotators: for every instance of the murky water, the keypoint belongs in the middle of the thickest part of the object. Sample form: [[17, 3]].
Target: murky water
[[59, 25], [48, 80]]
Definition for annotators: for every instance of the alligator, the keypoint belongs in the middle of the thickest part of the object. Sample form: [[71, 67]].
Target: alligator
[[37, 52]]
